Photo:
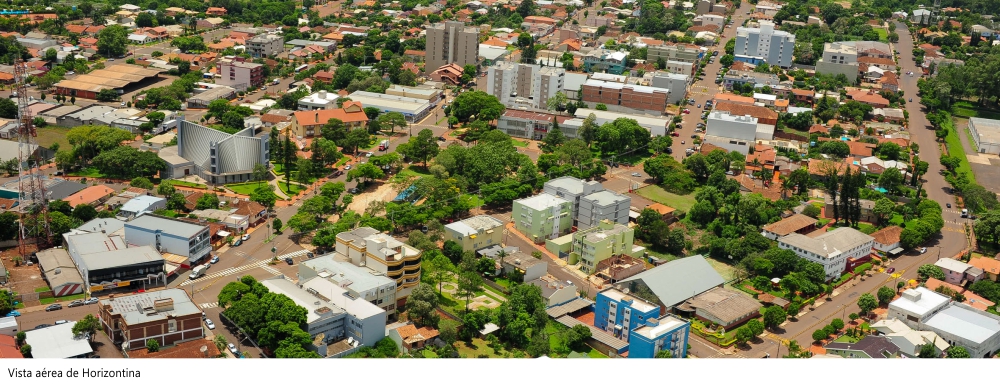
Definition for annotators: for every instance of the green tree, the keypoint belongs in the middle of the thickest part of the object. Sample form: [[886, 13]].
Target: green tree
[[207, 201], [141, 182], [84, 212], [956, 352], [928, 350], [365, 172], [422, 304], [392, 121], [112, 41], [819, 335], [553, 139], [744, 335], [264, 195], [422, 147], [837, 324], [867, 302], [885, 295], [774, 316], [152, 345], [929, 271], [756, 327], [468, 284], [21, 336], [483, 106]]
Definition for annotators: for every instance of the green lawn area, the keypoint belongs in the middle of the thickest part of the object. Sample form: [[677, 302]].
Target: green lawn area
[[342, 161], [883, 35], [866, 228], [279, 168], [519, 143], [295, 177], [898, 221], [187, 184], [476, 348], [42, 289], [294, 188], [417, 171], [955, 149], [47, 136], [966, 109], [244, 188], [504, 282], [847, 339], [89, 172], [725, 270], [658, 194], [474, 200]]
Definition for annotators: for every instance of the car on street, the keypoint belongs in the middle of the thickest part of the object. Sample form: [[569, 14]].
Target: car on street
[[682, 142], [911, 100], [687, 111], [369, 154], [694, 136], [60, 322], [53, 307], [699, 106], [442, 139], [214, 260], [948, 205], [288, 260], [42, 326], [209, 324], [123, 104], [353, 190], [670, 150], [90, 300], [13, 313], [675, 134], [310, 255], [245, 237], [890, 270], [232, 349], [636, 174], [238, 242], [76, 303], [347, 167], [923, 250]]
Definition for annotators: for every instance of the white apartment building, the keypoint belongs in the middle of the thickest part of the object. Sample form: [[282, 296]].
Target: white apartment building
[[265, 45], [839, 58], [524, 85], [731, 132], [451, 42], [764, 44], [320, 100], [832, 249], [676, 83], [688, 53]]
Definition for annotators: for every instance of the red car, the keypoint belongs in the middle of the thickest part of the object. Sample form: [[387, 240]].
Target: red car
[[686, 111], [674, 134]]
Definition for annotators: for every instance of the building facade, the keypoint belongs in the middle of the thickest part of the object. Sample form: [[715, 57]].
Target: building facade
[[172, 236], [167, 316], [839, 59], [524, 85], [475, 233], [675, 83], [530, 125], [603, 206], [733, 133], [240, 74], [216, 156], [451, 42], [359, 281], [572, 190], [542, 216], [600, 60], [382, 253], [764, 44], [618, 313], [655, 335], [630, 96], [832, 249], [986, 134], [332, 312], [687, 53], [599, 243], [265, 46]]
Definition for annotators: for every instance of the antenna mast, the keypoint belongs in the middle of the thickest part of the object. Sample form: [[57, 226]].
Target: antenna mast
[[31, 181]]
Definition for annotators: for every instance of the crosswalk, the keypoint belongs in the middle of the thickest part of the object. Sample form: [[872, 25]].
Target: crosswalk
[[208, 305], [240, 269]]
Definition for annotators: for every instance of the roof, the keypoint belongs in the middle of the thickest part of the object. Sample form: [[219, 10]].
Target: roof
[[677, 280], [976, 301], [172, 226], [528, 115], [738, 109], [57, 342], [965, 322], [357, 278], [336, 295], [8, 346], [141, 308], [829, 244], [595, 333], [920, 300], [314, 308], [724, 304], [89, 195], [934, 283], [122, 257], [190, 349], [888, 235], [661, 208], [790, 225], [891, 325], [140, 203], [989, 265], [383, 101], [664, 325], [541, 201], [873, 346], [952, 265], [474, 225]]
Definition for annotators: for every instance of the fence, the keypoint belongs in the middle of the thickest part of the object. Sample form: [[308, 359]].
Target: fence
[[495, 285]]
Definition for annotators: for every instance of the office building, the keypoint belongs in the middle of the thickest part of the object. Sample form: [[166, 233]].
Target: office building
[[597, 244], [531, 125], [542, 216], [839, 59], [832, 249], [658, 334], [384, 254], [168, 235], [240, 74], [618, 313], [986, 134], [216, 156], [167, 316], [265, 46], [686, 53], [764, 45], [739, 78], [332, 311], [105, 262], [451, 42], [628, 96], [731, 132], [475, 233]]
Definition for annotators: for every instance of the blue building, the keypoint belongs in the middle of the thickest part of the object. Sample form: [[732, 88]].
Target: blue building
[[600, 60], [618, 313], [667, 333]]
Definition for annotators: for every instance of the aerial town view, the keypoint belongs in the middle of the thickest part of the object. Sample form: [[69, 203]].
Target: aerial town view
[[499, 179]]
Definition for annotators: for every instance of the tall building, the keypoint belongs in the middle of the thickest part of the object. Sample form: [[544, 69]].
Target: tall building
[[527, 85], [240, 74], [837, 59], [596, 244], [451, 42], [618, 96], [265, 45], [764, 44], [542, 216], [384, 254], [731, 132], [675, 83], [667, 333], [618, 313]]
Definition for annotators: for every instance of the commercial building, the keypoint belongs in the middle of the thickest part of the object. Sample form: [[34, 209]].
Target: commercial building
[[686, 53], [140, 204], [57, 342], [915, 306], [733, 133], [168, 235], [831, 249], [986, 134], [359, 281], [216, 156], [475, 233], [596, 244], [380, 252], [524, 85], [121, 78], [413, 109], [657, 125], [530, 125], [630, 96], [727, 308], [618, 313], [764, 45], [601, 60], [167, 316], [265, 46], [332, 311], [909, 341], [658, 334], [542, 216], [739, 78], [422, 92], [207, 96], [674, 282], [451, 42], [675, 83], [960, 324], [320, 100], [240, 74], [307, 124], [839, 59], [60, 272]]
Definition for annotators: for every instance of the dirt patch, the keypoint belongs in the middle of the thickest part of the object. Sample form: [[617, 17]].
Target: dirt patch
[[23, 278], [383, 193]]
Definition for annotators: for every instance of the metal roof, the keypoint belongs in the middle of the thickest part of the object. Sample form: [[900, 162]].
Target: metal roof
[[676, 281], [57, 342], [970, 324], [121, 258], [566, 308], [595, 333]]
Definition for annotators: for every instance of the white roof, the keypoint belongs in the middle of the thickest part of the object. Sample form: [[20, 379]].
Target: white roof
[[926, 301], [357, 307], [952, 265], [646, 121], [57, 342], [140, 203], [473, 225], [890, 326], [765, 96], [541, 201], [312, 304], [666, 325], [830, 244], [7, 322], [637, 303], [965, 322]]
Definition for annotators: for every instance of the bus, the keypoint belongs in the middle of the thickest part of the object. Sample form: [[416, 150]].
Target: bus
[[301, 68]]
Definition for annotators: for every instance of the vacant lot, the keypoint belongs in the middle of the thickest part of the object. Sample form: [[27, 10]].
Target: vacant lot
[[658, 194]]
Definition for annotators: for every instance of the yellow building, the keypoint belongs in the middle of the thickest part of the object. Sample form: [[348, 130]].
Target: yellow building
[[475, 233]]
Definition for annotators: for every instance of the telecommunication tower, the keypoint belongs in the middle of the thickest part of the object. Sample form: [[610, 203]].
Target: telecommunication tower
[[31, 180]]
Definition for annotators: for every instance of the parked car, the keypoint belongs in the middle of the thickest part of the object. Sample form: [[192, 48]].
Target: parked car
[[347, 167], [670, 150], [289, 261], [636, 174], [42, 326], [238, 242], [209, 324], [76, 303], [948, 205], [90, 300], [60, 322], [310, 255], [354, 190], [245, 237], [923, 250], [675, 134], [369, 154], [442, 139], [13, 313], [232, 349], [215, 259], [53, 307]]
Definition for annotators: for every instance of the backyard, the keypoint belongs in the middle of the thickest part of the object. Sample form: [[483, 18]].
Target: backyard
[[88, 172], [658, 194]]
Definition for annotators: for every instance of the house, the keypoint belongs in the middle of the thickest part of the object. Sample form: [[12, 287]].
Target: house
[[554, 291], [870, 98], [215, 11], [867, 206], [528, 267], [307, 124], [93, 196], [410, 338], [475, 233], [674, 282], [727, 308], [657, 334], [958, 272], [167, 316], [618, 313], [798, 223], [908, 341], [868, 347], [542, 216], [58, 342], [887, 240], [990, 266], [832, 249], [320, 100], [139, 205], [762, 158]]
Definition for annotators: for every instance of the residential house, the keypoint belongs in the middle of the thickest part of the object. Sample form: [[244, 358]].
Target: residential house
[[450, 73], [409, 338], [724, 307], [601, 60], [93, 196], [868, 347], [797, 223], [530, 125], [989, 266], [887, 240], [959, 273], [554, 291], [309, 123], [909, 341], [57, 341], [475, 233]]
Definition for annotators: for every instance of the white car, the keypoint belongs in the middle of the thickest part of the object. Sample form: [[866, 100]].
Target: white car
[[245, 237], [923, 250], [369, 154], [215, 259], [210, 324], [348, 167], [90, 301], [232, 348]]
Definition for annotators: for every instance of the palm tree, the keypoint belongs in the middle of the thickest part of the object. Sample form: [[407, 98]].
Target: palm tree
[[502, 254], [786, 184], [220, 342]]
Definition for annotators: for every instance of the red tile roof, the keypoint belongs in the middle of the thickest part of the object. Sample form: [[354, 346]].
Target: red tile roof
[[790, 225], [8, 347], [311, 118], [89, 195], [740, 109], [888, 235], [988, 265]]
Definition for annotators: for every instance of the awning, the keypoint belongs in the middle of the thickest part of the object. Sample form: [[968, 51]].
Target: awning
[[223, 233], [896, 250]]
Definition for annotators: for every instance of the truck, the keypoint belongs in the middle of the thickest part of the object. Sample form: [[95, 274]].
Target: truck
[[198, 271], [965, 213], [384, 145], [8, 326]]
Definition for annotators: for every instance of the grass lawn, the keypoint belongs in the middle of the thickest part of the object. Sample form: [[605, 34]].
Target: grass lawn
[[42, 289], [519, 143], [476, 348], [291, 189], [417, 171], [342, 161], [661, 256], [866, 228], [474, 200], [965, 109], [883, 35], [968, 136], [898, 221], [847, 339], [89, 172], [279, 168], [244, 188], [504, 282], [658, 194], [74, 297], [295, 177], [47, 136], [725, 270], [955, 149], [187, 184]]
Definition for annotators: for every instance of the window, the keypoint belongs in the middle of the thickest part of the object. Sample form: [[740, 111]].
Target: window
[[171, 326]]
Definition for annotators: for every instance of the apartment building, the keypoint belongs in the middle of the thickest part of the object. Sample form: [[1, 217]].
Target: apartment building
[[680, 67], [167, 316], [764, 45], [240, 74], [451, 42], [573, 190], [168, 235], [839, 59], [599, 243], [630, 96], [359, 281], [832, 249], [542, 216], [530, 125], [618, 313], [601, 60], [666, 333], [767, 119], [686, 53], [675, 83], [380, 252], [731, 132], [332, 311], [602, 206], [475, 233], [265, 46], [524, 85]]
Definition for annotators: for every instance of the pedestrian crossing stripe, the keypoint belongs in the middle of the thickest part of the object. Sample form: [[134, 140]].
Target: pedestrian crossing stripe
[[240, 269], [209, 305]]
